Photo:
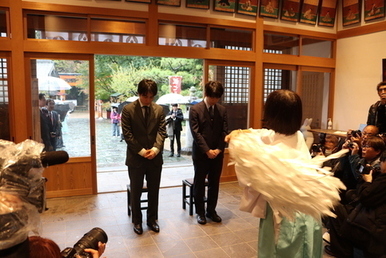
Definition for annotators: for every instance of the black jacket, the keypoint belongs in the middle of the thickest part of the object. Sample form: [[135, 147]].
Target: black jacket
[[377, 116]]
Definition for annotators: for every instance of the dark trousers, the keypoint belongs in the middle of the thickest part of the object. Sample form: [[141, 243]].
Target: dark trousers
[[202, 168], [53, 142], [177, 136], [339, 245], [152, 174]]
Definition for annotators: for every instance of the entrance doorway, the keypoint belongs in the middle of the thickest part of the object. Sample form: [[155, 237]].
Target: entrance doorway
[[116, 85]]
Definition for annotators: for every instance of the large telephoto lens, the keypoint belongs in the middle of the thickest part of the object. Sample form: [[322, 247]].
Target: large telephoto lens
[[91, 239]]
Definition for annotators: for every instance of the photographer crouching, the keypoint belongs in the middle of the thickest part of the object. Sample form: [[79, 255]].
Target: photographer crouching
[[359, 230], [22, 197]]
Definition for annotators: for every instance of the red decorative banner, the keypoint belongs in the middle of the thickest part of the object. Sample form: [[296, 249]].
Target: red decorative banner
[[175, 84]]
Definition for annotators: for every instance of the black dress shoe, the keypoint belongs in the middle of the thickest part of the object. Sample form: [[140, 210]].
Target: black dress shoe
[[214, 217], [153, 226], [138, 229], [327, 250], [201, 219], [171, 155], [178, 155]]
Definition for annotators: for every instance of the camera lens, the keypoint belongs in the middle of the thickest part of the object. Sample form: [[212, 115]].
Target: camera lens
[[91, 239]]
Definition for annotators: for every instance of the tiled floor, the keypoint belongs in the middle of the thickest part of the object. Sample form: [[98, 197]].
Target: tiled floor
[[181, 236]]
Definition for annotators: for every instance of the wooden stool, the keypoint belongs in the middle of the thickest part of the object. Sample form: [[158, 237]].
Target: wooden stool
[[144, 190], [188, 198]]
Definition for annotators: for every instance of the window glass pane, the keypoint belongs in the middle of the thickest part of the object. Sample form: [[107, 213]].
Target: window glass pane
[[181, 35], [62, 122], [3, 23], [316, 47], [57, 27], [104, 30], [315, 92], [281, 44], [231, 39], [275, 79], [236, 81], [4, 102]]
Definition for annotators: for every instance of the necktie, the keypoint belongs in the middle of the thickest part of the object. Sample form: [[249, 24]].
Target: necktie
[[52, 119], [211, 112], [146, 113]]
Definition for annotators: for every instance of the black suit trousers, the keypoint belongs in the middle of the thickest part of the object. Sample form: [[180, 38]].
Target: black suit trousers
[[211, 168], [152, 174], [177, 136]]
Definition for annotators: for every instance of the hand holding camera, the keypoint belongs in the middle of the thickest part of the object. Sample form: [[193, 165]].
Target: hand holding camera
[[93, 240]]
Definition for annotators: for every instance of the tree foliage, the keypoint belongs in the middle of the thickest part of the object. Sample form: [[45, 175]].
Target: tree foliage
[[121, 74]]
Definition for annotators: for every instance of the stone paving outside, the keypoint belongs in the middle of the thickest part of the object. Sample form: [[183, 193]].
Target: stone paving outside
[[111, 153]]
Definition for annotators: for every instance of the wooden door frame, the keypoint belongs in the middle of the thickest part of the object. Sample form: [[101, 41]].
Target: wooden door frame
[[78, 175]]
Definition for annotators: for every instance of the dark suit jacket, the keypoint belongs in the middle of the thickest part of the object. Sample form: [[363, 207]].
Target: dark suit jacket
[[54, 124], [206, 134], [139, 135], [44, 129]]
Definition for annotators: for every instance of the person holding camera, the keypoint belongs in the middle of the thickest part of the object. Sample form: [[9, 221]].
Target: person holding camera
[[377, 111], [372, 148], [362, 223], [174, 128], [44, 247]]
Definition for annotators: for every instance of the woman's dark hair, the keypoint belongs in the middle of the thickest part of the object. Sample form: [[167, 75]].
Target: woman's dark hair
[[283, 112], [147, 86], [377, 143], [43, 247], [214, 89]]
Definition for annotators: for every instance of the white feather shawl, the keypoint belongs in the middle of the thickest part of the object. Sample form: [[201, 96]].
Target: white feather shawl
[[281, 169]]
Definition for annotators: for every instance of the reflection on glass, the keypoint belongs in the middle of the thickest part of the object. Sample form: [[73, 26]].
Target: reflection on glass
[[235, 39], [122, 31], [57, 27], [5, 133], [281, 44], [181, 35], [275, 79], [315, 93], [316, 47], [62, 120], [3, 23], [236, 81]]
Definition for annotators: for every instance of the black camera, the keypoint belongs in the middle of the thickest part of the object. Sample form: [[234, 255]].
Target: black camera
[[316, 147], [365, 169], [89, 240], [356, 133], [350, 145]]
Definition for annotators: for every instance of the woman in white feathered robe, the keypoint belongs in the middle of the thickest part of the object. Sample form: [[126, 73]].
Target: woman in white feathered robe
[[282, 184]]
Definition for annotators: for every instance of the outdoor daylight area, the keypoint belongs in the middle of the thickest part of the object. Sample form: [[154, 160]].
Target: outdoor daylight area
[[66, 89]]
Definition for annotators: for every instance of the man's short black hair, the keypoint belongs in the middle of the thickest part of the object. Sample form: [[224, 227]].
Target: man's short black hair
[[283, 112], [147, 86], [214, 89], [376, 142], [41, 96], [380, 84]]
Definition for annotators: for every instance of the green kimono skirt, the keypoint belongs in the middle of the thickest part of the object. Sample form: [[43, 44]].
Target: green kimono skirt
[[300, 238]]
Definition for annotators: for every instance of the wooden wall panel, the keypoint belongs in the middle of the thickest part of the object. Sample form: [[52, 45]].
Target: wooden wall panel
[[69, 179]]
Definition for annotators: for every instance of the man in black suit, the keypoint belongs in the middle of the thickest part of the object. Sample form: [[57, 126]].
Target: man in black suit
[[52, 120], [209, 126], [143, 126], [174, 119], [44, 130]]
